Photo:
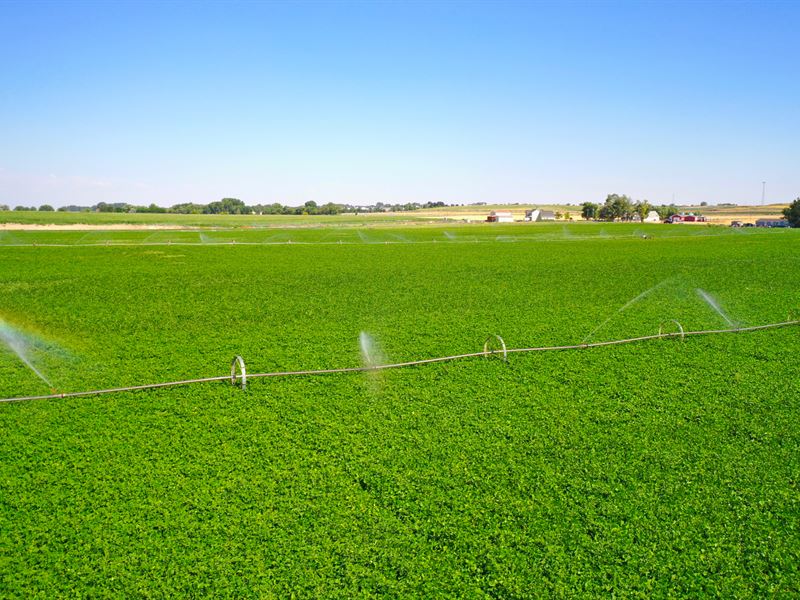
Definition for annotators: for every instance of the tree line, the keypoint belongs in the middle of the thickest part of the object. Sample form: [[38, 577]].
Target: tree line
[[234, 206], [616, 208], [622, 208]]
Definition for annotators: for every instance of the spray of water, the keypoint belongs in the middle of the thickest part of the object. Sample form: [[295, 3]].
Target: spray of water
[[275, 238], [372, 356], [22, 346], [624, 307], [715, 305], [449, 235], [150, 238]]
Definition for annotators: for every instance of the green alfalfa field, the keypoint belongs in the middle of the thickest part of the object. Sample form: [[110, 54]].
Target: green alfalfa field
[[662, 468]]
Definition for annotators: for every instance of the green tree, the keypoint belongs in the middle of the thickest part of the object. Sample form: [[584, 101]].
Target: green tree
[[330, 209], [641, 208], [188, 208], [616, 207], [227, 206], [792, 213], [46, 208], [665, 211], [589, 210]]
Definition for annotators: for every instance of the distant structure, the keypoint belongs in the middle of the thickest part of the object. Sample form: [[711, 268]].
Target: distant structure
[[500, 216], [652, 217], [772, 223], [686, 218], [538, 214]]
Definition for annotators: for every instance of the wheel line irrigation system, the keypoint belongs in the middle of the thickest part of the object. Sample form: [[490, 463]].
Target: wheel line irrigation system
[[494, 345]]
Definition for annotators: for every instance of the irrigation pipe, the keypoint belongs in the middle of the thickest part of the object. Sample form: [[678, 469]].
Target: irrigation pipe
[[242, 377], [516, 239]]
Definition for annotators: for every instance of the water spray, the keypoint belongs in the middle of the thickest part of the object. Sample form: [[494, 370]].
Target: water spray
[[715, 305], [21, 346]]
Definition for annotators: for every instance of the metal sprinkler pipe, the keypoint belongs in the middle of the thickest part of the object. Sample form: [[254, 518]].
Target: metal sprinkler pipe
[[238, 361], [243, 376]]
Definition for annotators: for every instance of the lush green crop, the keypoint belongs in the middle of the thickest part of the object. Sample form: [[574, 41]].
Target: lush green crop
[[661, 468], [371, 230]]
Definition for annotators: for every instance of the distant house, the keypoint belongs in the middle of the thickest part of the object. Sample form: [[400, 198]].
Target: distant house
[[772, 223], [500, 216], [538, 214], [652, 217], [686, 218]]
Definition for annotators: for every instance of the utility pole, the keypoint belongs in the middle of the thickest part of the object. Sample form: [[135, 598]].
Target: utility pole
[[763, 191]]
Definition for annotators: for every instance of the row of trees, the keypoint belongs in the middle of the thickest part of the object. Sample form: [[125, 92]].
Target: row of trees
[[43, 208], [616, 208], [622, 208], [234, 206]]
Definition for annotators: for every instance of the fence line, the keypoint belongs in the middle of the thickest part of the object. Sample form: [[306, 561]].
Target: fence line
[[233, 377]]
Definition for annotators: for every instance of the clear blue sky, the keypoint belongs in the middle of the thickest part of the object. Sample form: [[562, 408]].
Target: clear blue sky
[[395, 102]]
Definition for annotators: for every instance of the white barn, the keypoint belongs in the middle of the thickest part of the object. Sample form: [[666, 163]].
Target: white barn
[[537, 214], [652, 217]]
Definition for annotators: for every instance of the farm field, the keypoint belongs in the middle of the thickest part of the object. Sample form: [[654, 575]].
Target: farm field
[[718, 215], [196, 221], [660, 468], [366, 233]]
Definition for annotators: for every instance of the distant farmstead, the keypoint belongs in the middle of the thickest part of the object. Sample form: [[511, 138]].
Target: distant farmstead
[[686, 218], [500, 216], [772, 223], [538, 214], [652, 217]]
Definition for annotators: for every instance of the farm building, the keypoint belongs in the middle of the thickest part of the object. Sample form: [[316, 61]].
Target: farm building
[[500, 216], [538, 214], [772, 223], [686, 218], [652, 217]]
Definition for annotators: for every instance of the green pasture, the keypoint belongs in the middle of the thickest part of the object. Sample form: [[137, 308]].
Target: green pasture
[[664, 468], [378, 232]]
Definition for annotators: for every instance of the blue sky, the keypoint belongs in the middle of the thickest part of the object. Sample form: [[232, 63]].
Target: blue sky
[[398, 102]]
